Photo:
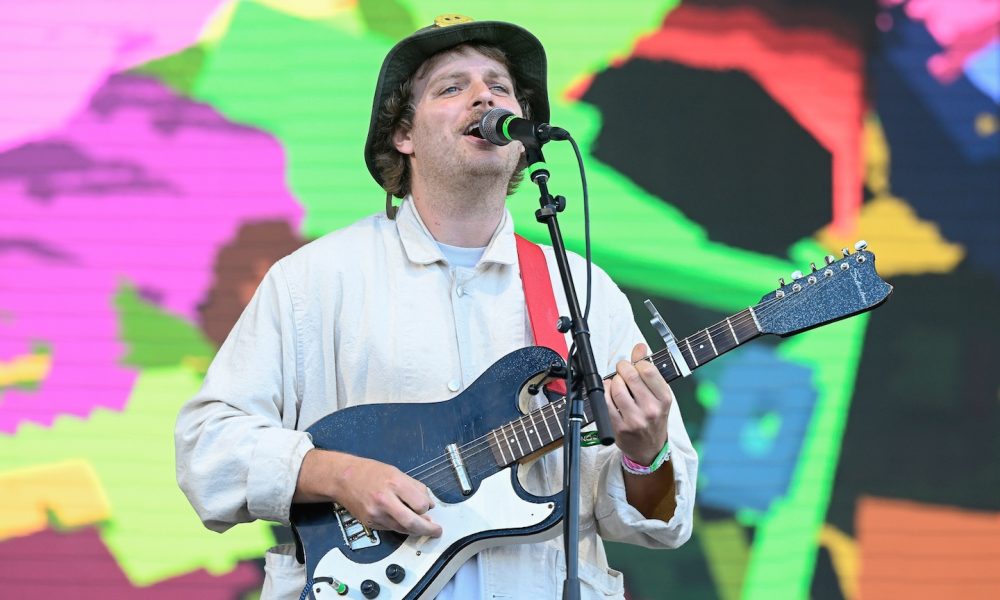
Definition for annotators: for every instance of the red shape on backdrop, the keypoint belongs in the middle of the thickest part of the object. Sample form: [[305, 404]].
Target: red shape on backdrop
[[812, 71], [78, 565]]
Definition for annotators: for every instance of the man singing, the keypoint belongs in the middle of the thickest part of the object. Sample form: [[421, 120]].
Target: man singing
[[412, 305]]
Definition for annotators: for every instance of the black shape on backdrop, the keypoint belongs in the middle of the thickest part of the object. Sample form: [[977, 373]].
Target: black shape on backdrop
[[924, 417], [715, 145]]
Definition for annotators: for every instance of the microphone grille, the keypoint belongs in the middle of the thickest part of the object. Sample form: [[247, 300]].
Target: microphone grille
[[488, 126]]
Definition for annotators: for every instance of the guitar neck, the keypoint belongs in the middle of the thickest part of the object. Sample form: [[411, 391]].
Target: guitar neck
[[539, 430]]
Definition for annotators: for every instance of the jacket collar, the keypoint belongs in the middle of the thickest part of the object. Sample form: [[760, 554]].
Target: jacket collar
[[421, 247]]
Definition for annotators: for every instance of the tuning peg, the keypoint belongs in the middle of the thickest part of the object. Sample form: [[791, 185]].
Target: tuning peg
[[796, 274], [845, 252], [781, 282], [860, 245], [829, 259], [812, 266]]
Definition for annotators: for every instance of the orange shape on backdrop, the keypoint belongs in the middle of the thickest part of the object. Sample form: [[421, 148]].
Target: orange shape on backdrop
[[916, 551], [70, 491]]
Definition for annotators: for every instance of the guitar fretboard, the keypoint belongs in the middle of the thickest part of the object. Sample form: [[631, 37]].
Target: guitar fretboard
[[546, 426]]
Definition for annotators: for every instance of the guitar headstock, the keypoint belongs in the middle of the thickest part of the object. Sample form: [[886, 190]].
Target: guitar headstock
[[833, 291]]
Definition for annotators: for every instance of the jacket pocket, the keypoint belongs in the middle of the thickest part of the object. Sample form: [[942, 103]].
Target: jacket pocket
[[284, 577]]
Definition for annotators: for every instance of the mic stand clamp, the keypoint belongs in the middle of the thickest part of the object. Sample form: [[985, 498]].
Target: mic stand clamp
[[585, 381]]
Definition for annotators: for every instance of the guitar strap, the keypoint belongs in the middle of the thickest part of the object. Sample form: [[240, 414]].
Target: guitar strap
[[541, 302]]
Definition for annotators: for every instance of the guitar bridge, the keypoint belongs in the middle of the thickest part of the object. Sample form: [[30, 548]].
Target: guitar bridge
[[356, 536]]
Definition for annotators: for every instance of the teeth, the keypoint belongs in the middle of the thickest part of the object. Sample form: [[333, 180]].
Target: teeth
[[473, 130]]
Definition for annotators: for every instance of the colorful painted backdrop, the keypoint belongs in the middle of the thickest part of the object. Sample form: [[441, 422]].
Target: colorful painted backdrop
[[156, 158]]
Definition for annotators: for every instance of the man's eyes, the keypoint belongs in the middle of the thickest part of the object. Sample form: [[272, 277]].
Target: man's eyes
[[496, 87]]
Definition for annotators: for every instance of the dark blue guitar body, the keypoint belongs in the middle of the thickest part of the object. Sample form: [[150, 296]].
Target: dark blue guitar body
[[409, 436]]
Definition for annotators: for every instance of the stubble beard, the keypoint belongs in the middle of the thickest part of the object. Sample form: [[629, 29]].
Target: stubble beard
[[462, 180]]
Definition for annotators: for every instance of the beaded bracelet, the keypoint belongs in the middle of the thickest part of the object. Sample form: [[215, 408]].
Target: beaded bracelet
[[636, 469]]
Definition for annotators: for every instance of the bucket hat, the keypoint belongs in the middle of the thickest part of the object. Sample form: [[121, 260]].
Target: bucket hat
[[524, 52]]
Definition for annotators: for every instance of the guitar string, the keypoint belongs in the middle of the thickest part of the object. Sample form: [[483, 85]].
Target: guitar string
[[744, 324], [440, 468], [441, 465]]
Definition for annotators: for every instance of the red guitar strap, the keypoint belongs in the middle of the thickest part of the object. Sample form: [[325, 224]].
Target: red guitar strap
[[541, 302]]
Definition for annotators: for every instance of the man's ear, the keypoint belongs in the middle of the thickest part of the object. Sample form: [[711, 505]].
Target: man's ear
[[402, 141]]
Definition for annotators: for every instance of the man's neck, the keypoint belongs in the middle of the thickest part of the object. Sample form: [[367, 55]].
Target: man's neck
[[466, 218]]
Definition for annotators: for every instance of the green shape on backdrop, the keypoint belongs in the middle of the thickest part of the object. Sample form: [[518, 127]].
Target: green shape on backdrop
[[154, 337], [728, 552], [177, 71], [154, 534], [387, 17]]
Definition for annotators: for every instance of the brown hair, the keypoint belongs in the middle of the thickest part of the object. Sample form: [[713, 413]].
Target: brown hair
[[398, 110]]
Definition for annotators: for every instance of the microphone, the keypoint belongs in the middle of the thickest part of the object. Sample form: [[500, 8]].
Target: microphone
[[500, 126]]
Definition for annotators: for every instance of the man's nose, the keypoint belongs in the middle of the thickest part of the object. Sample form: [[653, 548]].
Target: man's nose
[[482, 94]]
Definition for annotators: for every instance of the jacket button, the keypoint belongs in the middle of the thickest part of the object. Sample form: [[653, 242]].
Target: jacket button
[[454, 385]]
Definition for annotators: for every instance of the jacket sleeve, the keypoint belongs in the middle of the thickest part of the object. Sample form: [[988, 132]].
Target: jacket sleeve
[[617, 520], [238, 453]]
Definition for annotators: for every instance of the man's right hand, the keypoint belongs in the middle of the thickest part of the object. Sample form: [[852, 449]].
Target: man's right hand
[[375, 493]]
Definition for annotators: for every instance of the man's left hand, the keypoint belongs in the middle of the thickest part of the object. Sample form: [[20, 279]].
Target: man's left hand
[[639, 400]]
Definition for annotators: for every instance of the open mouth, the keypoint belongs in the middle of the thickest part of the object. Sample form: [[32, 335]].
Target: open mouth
[[473, 130]]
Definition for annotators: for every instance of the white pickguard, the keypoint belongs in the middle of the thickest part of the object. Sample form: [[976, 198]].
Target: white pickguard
[[494, 506]]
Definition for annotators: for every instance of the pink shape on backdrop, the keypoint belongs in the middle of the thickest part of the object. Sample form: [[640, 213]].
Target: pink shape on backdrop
[[961, 27], [54, 54], [95, 229]]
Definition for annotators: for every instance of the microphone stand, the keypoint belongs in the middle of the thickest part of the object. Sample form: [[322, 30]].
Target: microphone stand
[[584, 376]]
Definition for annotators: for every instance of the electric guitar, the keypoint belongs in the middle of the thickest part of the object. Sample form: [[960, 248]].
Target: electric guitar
[[466, 450]]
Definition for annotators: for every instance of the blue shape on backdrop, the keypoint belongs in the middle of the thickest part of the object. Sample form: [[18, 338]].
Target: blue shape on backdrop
[[752, 440], [939, 164], [983, 70], [907, 48]]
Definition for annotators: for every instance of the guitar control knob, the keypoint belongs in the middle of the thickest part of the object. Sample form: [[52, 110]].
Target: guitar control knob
[[796, 274], [845, 252], [395, 573], [369, 589], [812, 266], [781, 282], [860, 245], [829, 259]]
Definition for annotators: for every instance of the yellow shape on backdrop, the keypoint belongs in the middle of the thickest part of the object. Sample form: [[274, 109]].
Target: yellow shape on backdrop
[[903, 242], [28, 368], [68, 490], [844, 554], [310, 9], [876, 152], [217, 24]]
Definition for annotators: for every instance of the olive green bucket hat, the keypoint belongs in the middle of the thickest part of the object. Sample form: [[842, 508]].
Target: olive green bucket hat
[[524, 51]]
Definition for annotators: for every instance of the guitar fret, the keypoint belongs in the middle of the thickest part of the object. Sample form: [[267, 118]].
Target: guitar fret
[[546, 421], [709, 334], [732, 331], [516, 439], [687, 340], [534, 426], [558, 421], [527, 438], [503, 458]]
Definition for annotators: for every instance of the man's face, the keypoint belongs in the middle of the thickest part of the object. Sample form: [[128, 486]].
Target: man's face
[[450, 97]]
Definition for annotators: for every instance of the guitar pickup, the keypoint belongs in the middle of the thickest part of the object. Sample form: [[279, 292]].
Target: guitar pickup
[[356, 536]]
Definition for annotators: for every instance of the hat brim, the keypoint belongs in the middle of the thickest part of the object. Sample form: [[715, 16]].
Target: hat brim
[[524, 51]]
